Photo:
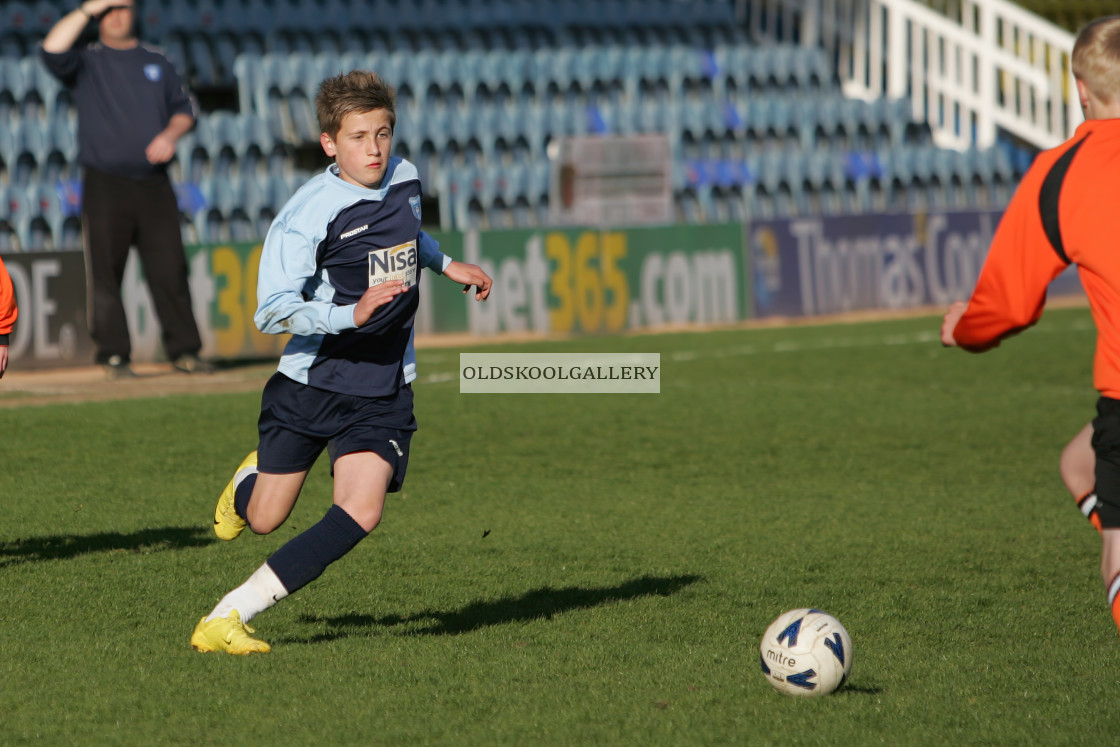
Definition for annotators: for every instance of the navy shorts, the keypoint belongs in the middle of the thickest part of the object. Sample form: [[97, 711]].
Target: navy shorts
[[298, 421], [1106, 444]]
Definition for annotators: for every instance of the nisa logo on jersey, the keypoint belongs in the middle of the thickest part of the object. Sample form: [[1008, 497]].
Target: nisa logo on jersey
[[395, 263], [152, 73]]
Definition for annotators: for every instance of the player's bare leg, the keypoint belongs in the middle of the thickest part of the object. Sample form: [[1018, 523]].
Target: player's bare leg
[[261, 501], [272, 501], [361, 480], [1078, 468]]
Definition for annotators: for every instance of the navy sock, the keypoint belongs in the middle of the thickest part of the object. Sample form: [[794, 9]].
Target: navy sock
[[304, 558], [242, 495]]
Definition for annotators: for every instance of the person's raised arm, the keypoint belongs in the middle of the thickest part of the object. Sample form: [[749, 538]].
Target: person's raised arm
[[66, 31]]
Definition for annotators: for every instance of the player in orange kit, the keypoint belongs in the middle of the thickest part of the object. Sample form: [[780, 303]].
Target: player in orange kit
[[8, 313], [1065, 212]]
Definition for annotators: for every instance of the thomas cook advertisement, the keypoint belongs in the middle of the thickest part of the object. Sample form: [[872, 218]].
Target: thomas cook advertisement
[[828, 265]]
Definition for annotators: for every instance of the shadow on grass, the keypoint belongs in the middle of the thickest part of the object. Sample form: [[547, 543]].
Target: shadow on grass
[[853, 690], [538, 604], [65, 546]]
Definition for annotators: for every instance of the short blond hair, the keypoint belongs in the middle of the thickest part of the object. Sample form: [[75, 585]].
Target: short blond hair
[[357, 91], [1096, 57]]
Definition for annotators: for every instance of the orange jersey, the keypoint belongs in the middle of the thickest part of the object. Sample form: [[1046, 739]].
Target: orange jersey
[[8, 309], [1066, 210]]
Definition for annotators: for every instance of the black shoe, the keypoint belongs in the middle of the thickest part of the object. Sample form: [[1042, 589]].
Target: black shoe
[[192, 364], [117, 368]]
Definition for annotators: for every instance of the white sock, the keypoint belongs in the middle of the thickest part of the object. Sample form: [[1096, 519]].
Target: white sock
[[1088, 503], [261, 591], [1113, 589]]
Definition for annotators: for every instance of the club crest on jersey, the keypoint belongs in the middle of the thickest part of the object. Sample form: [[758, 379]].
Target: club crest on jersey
[[394, 263], [414, 203], [152, 73]]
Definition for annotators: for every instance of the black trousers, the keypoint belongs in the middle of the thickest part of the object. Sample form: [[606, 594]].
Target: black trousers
[[117, 213]]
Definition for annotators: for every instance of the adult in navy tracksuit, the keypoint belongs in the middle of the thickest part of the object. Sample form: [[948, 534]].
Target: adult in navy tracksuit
[[131, 111], [339, 272]]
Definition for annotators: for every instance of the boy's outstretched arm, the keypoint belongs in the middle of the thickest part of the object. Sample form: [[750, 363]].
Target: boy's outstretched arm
[[470, 275]]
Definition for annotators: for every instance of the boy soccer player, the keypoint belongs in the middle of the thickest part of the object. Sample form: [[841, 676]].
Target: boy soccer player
[[339, 272], [1064, 212]]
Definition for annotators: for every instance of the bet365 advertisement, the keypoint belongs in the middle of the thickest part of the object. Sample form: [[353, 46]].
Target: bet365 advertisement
[[597, 282]]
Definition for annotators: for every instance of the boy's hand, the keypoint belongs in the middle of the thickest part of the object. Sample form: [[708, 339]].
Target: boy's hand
[[376, 297], [949, 323], [469, 275]]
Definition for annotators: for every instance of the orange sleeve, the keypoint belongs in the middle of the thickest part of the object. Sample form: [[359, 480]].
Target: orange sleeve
[[1011, 290], [8, 309]]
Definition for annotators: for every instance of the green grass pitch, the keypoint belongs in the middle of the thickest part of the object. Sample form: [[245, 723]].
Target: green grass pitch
[[578, 570]]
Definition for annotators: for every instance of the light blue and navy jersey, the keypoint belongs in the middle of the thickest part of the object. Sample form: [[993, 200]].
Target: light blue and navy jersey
[[330, 243]]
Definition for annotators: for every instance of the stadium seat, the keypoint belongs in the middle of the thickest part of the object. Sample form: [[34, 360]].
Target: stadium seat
[[37, 82], [153, 21], [241, 226], [194, 160], [45, 15], [9, 240], [779, 66], [225, 48], [12, 45], [539, 182], [688, 208], [175, 47], [62, 138], [203, 63], [15, 83], [824, 172], [18, 18], [256, 193], [811, 69], [46, 204], [182, 17], [463, 187], [248, 73], [216, 16], [22, 214], [9, 236], [210, 225]]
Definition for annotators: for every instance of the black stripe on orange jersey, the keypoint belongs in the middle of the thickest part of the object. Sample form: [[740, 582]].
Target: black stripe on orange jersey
[[1048, 198]]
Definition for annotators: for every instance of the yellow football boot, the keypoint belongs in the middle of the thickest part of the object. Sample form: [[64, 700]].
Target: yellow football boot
[[227, 524], [227, 634]]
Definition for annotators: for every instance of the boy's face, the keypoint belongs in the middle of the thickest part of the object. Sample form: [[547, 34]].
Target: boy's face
[[361, 147]]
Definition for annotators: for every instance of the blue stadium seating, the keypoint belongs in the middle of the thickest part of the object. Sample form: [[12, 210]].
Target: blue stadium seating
[[485, 86]]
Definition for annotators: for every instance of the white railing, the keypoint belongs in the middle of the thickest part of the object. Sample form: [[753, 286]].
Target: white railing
[[984, 66]]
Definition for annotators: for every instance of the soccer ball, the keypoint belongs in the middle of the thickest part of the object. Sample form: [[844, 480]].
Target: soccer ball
[[806, 652]]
